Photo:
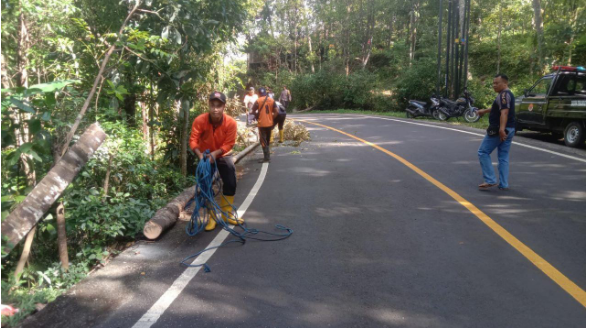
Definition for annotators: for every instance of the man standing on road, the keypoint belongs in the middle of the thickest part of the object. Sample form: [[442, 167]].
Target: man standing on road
[[250, 99], [216, 132], [279, 120], [285, 97], [266, 111], [499, 135]]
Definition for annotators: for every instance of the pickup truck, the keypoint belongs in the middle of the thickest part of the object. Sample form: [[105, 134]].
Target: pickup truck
[[556, 103]]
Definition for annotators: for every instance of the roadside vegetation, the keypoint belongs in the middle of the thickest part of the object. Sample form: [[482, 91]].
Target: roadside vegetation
[[155, 63], [376, 55]]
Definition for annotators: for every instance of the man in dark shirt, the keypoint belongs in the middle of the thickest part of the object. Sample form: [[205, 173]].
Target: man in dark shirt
[[499, 135]]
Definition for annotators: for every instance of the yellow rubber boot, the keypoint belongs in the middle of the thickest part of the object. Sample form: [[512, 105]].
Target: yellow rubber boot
[[211, 222], [281, 136], [271, 138], [212, 218], [226, 206]]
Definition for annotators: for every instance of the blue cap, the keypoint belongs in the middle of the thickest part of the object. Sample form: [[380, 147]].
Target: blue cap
[[262, 92]]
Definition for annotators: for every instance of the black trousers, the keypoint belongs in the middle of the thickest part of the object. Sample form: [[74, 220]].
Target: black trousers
[[265, 135], [228, 174], [285, 103], [279, 120]]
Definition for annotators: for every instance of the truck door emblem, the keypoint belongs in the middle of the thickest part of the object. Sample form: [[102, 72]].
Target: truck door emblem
[[530, 107]]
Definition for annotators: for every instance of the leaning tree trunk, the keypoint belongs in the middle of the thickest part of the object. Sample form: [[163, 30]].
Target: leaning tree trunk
[[18, 223], [25, 254]]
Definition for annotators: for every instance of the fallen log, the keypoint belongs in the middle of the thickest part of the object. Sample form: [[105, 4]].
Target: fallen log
[[167, 216], [25, 216]]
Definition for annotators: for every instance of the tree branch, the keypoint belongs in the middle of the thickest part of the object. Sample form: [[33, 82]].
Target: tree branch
[[151, 12], [96, 83]]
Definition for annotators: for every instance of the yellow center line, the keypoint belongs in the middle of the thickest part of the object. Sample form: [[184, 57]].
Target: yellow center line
[[559, 278]]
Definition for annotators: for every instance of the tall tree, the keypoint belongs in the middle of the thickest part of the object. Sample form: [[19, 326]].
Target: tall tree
[[538, 25]]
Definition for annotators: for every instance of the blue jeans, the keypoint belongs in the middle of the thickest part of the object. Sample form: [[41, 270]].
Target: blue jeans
[[488, 145]]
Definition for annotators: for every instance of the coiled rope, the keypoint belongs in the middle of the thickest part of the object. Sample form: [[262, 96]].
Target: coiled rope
[[205, 201]]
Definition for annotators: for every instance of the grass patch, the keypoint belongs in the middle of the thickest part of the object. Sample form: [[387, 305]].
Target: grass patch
[[481, 124]]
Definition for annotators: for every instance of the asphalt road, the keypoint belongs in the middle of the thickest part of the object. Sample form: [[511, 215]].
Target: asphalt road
[[374, 245]]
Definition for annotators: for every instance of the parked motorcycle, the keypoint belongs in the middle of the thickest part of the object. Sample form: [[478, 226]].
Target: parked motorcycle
[[420, 108], [463, 106]]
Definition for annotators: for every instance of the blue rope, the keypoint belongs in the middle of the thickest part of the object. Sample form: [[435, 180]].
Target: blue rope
[[205, 200]]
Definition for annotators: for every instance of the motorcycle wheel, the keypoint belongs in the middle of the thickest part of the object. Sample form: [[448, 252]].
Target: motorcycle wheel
[[471, 116], [409, 115], [442, 116], [435, 114]]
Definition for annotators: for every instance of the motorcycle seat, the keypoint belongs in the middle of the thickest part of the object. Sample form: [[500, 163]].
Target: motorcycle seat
[[449, 102], [421, 103]]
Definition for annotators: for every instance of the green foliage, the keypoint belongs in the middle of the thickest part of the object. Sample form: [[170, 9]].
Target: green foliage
[[326, 90], [136, 188], [416, 82], [38, 287], [166, 54], [334, 40]]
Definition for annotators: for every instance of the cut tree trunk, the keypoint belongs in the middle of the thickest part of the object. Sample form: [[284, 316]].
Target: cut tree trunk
[[18, 223], [165, 217]]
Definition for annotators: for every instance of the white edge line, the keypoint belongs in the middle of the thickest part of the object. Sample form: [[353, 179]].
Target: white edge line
[[478, 134], [163, 303], [475, 134]]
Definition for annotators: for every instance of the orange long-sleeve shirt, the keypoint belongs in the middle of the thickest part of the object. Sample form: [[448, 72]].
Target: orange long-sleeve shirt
[[204, 136]]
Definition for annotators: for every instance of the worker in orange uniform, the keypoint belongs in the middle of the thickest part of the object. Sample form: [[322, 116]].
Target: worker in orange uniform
[[265, 111], [216, 132]]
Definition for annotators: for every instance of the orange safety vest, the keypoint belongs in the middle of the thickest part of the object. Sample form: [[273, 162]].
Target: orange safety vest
[[204, 136], [265, 111]]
